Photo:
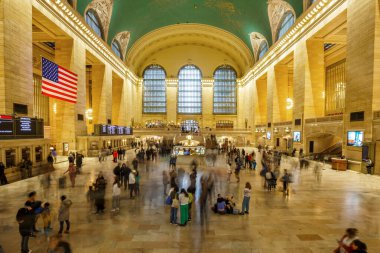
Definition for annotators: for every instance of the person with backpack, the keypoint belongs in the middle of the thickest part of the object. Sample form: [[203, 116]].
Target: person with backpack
[[64, 214], [117, 172], [35, 208], [72, 173], [25, 222], [79, 162]]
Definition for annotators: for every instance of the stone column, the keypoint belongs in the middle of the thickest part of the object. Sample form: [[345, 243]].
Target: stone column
[[65, 126], [102, 93], [117, 101], [207, 105], [171, 100], [309, 80], [362, 72], [16, 68]]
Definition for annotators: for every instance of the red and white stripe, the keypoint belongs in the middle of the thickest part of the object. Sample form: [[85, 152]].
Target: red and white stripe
[[65, 89]]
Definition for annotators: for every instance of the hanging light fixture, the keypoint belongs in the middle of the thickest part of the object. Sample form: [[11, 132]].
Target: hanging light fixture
[[289, 101]]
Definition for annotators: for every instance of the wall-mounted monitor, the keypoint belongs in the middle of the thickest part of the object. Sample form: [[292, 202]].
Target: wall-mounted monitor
[[355, 138], [268, 135], [297, 136]]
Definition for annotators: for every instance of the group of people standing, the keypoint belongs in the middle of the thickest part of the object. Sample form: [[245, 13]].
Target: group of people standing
[[28, 215]]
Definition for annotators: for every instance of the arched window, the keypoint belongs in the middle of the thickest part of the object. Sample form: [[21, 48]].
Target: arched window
[[286, 23], [93, 21], [116, 49], [225, 90], [311, 2], [263, 49], [154, 86], [190, 90]]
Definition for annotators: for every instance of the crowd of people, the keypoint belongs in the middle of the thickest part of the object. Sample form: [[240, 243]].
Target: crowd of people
[[181, 195]]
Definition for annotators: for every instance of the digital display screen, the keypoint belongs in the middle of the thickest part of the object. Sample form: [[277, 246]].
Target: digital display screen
[[25, 126], [296, 136], [6, 126], [268, 135], [111, 130], [120, 130], [355, 138], [103, 129]]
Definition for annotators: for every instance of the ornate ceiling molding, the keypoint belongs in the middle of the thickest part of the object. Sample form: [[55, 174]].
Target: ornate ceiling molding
[[123, 39], [276, 10], [191, 34], [104, 10], [256, 40]]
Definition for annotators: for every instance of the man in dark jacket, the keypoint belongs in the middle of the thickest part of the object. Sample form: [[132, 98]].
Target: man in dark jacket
[[3, 178], [25, 220]]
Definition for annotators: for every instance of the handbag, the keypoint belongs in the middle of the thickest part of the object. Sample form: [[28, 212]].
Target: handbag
[[168, 200], [175, 203]]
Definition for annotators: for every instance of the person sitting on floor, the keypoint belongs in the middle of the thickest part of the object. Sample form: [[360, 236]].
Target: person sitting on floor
[[230, 204]]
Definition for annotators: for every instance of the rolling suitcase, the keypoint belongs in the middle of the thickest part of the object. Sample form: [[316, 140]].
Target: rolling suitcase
[[62, 182]]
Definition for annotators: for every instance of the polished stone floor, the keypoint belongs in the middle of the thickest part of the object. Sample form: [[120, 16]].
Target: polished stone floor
[[308, 221]]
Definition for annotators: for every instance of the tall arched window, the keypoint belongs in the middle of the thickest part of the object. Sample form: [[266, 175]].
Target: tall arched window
[[190, 90], [116, 49], [154, 86], [225, 90], [311, 2], [286, 23], [93, 21], [263, 49]]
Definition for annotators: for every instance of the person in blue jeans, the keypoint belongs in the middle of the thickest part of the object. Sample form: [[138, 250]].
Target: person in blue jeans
[[174, 209], [247, 197]]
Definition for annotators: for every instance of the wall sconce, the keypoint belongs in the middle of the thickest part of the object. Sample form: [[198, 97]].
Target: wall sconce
[[55, 108], [275, 130], [287, 130], [89, 114]]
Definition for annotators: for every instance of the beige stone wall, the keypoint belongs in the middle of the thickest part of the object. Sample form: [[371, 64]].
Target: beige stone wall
[[16, 69]]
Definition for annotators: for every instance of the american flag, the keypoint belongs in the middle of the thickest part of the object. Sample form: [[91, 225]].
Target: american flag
[[58, 82]]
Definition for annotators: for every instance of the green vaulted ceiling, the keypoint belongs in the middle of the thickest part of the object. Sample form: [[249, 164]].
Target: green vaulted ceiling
[[240, 17]]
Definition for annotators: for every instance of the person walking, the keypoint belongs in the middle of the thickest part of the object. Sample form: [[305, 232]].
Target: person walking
[[229, 172], [165, 180], [132, 182], [358, 247], [286, 180], [72, 173], [137, 183], [184, 207], [64, 214], [3, 177], [114, 154], [116, 195], [79, 162], [25, 222], [100, 192], [46, 217], [246, 198]]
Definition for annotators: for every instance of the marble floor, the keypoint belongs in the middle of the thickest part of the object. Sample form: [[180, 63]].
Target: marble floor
[[308, 221]]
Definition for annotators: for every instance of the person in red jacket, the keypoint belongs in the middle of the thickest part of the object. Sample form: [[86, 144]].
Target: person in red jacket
[[115, 156]]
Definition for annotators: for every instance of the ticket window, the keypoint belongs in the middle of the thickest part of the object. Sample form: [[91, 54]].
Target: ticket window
[[10, 158], [38, 152], [25, 153]]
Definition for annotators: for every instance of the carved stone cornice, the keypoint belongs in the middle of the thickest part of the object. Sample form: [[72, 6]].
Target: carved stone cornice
[[104, 10]]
